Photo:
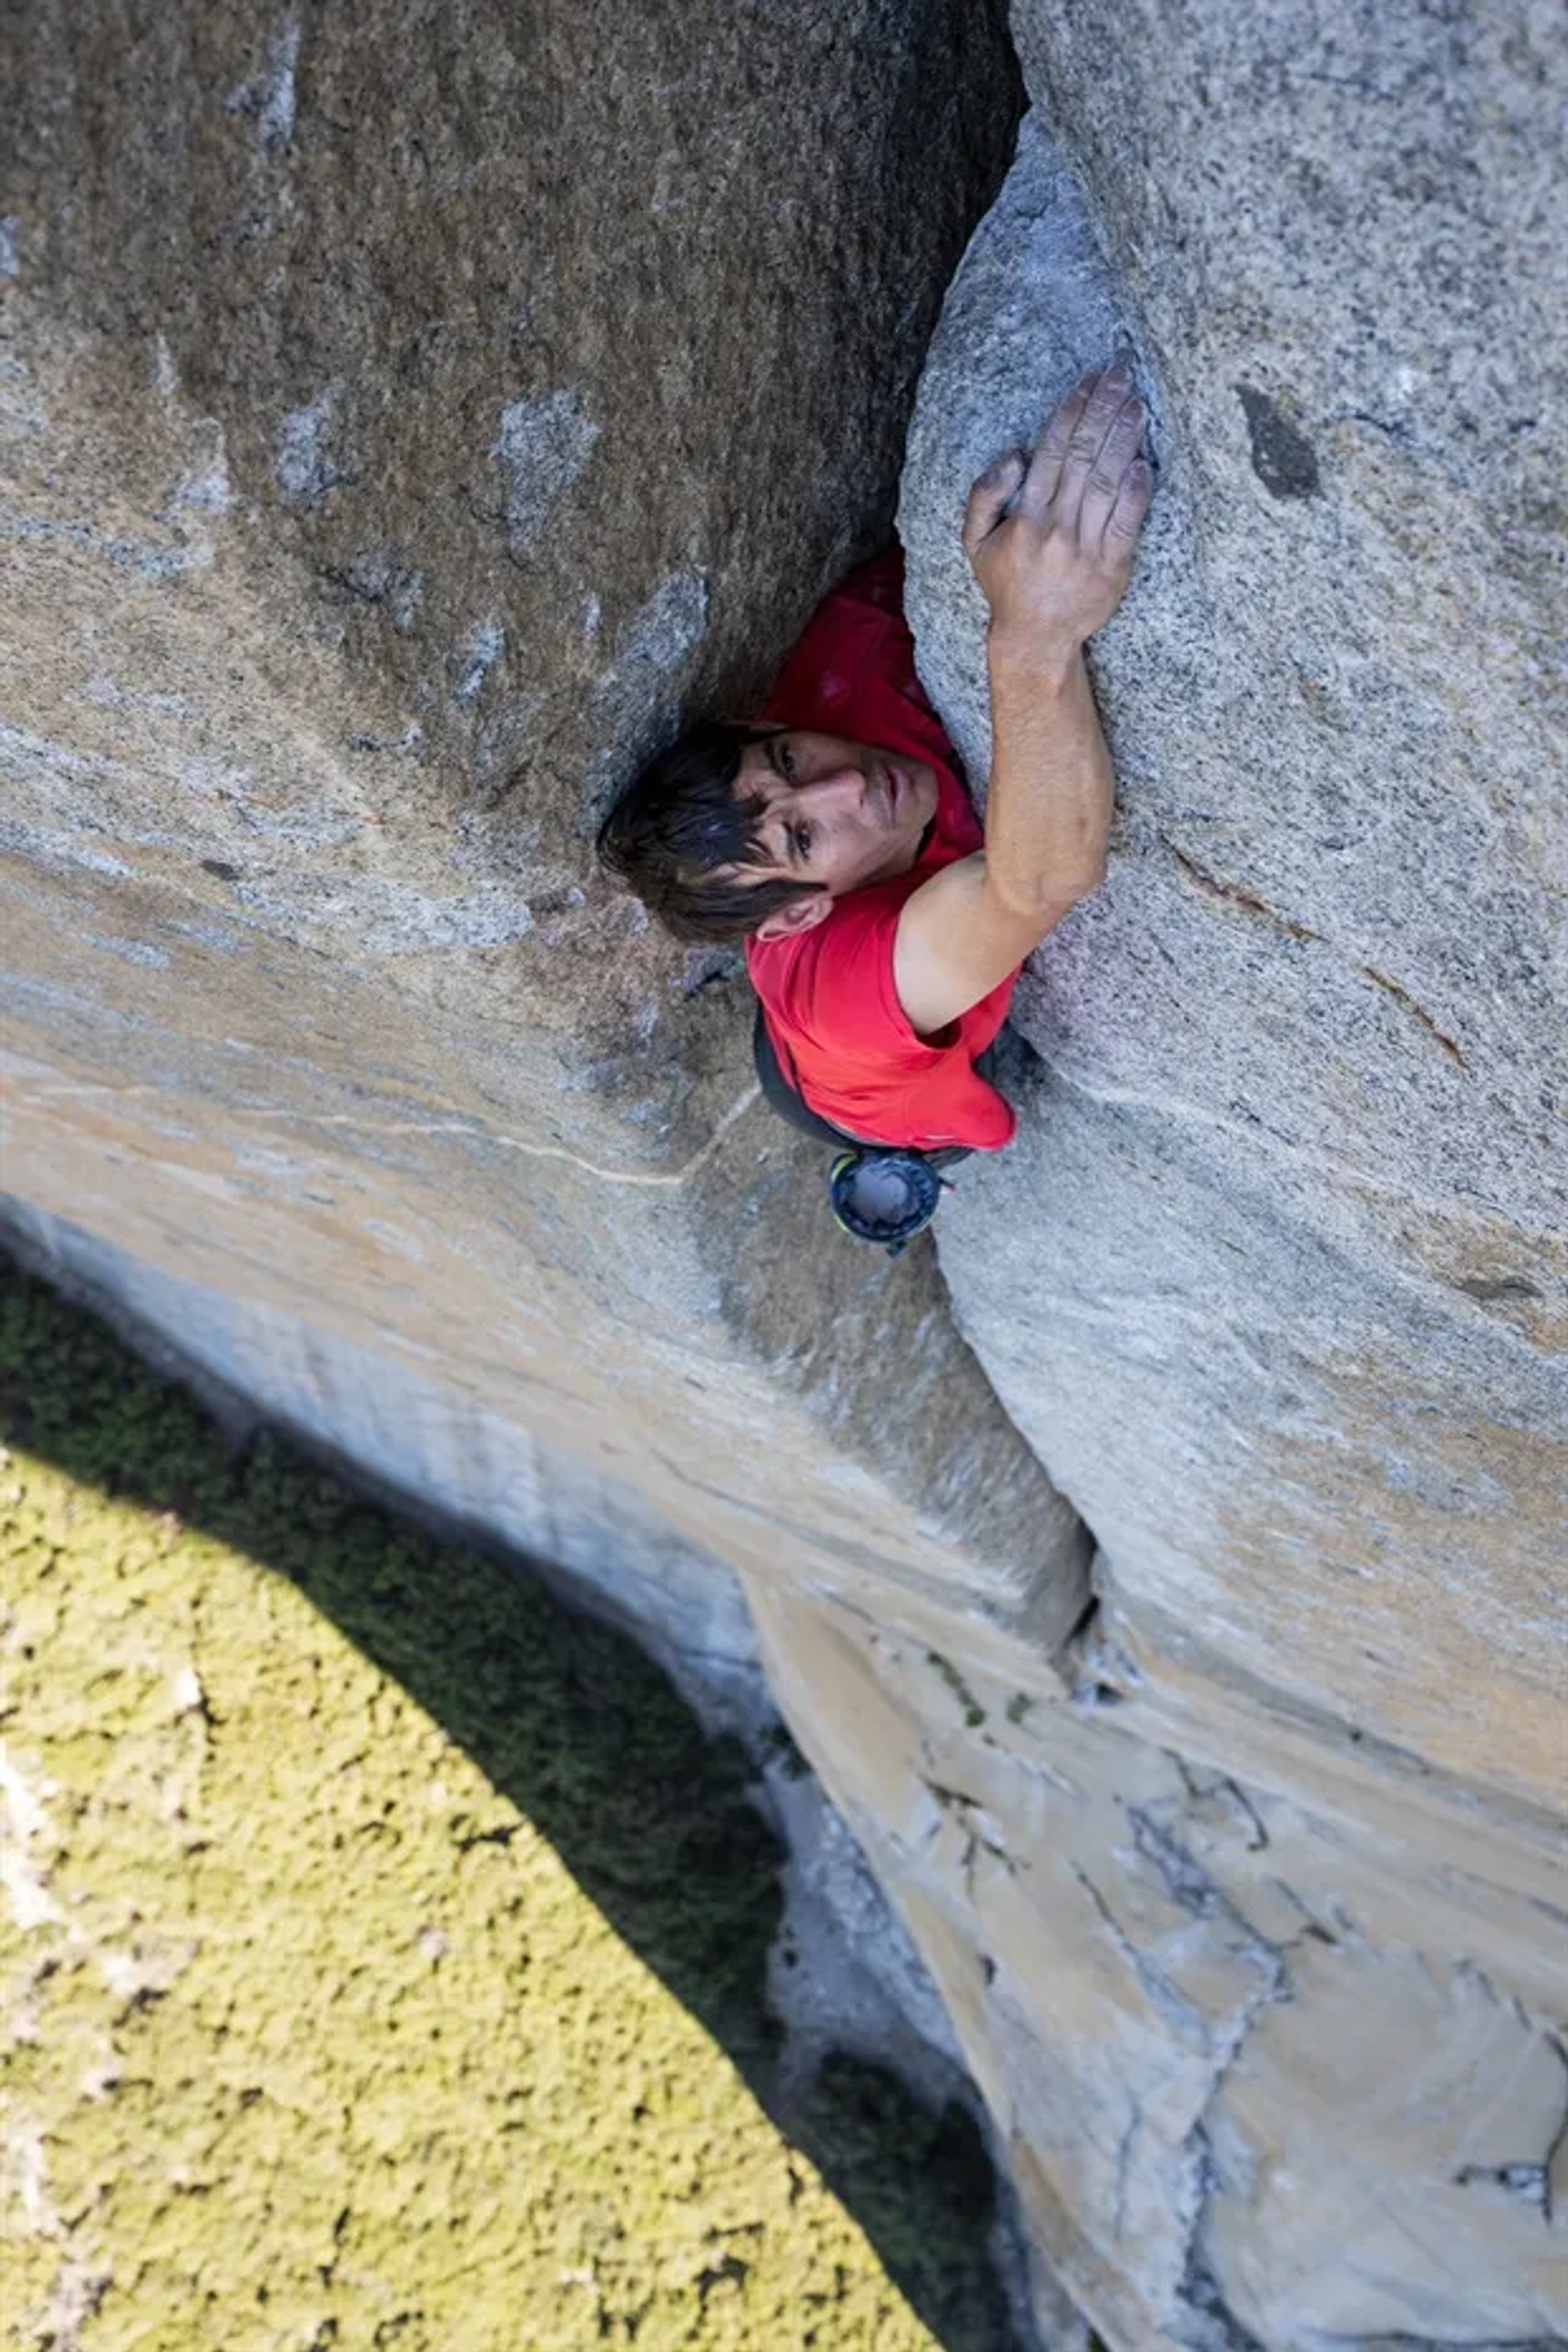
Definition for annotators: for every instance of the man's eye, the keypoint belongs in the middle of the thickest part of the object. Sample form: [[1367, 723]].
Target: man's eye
[[803, 839], [786, 759]]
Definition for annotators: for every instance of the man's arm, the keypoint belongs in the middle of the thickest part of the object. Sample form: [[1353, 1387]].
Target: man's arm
[[1051, 538]]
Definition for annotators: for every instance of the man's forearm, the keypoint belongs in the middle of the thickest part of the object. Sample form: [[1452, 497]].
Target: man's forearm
[[1051, 535], [1052, 791]]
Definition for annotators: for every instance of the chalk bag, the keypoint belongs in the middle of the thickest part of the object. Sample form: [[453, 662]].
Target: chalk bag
[[884, 1196]]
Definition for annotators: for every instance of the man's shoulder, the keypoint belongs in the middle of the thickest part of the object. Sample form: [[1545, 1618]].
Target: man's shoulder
[[834, 983], [858, 915]]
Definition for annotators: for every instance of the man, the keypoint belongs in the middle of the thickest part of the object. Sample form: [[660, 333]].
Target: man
[[883, 931]]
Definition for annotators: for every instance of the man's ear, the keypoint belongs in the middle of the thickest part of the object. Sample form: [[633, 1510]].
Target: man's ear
[[797, 915]]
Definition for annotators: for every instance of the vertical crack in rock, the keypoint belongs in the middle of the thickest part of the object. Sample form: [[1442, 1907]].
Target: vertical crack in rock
[[1185, 2020], [1098, 1672], [1528, 2179], [1211, 2324], [1124, 2147], [1191, 1888]]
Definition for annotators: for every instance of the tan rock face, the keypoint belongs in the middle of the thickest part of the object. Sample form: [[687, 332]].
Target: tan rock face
[[401, 421], [1256, 2044]]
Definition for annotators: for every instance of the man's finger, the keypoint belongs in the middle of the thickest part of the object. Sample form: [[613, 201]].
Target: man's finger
[[990, 499], [1125, 519], [1103, 483], [1051, 448], [1105, 404]]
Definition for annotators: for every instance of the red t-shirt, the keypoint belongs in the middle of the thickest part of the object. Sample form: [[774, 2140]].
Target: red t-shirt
[[827, 993]]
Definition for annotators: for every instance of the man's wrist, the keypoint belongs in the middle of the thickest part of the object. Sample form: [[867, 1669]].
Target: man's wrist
[[1025, 662]]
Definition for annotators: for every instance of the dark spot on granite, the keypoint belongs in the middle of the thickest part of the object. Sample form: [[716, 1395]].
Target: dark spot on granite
[[1282, 458], [1487, 1288]]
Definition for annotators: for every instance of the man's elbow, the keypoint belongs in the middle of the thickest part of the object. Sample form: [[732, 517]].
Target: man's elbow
[[1083, 882], [1043, 899]]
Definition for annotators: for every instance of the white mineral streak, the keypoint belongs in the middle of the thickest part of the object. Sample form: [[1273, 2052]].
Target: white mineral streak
[[541, 447], [304, 464]]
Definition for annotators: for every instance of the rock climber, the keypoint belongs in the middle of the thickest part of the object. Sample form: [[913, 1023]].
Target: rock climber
[[884, 929]]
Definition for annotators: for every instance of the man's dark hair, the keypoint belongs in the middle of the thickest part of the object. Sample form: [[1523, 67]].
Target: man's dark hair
[[677, 834]]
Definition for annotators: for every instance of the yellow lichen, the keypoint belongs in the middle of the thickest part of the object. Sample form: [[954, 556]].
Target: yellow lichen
[[324, 2025]]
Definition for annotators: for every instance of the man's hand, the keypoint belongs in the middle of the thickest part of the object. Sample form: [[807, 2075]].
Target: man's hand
[[1051, 536]]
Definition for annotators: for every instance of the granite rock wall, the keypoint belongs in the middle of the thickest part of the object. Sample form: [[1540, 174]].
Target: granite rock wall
[[404, 418], [308, 1001], [449, 368], [1274, 1279]]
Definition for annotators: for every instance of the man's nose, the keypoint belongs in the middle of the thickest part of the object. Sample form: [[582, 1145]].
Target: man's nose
[[843, 783]]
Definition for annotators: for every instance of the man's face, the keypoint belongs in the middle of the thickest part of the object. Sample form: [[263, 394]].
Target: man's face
[[836, 813]]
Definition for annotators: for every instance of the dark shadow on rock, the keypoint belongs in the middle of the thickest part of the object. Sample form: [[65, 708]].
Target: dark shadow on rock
[[573, 1724]]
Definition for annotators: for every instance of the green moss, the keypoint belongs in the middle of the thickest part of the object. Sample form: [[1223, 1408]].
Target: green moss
[[388, 1964], [974, 1713]]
